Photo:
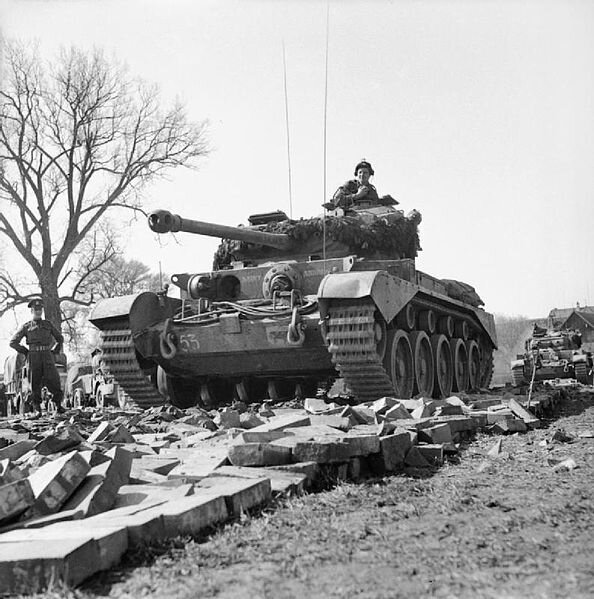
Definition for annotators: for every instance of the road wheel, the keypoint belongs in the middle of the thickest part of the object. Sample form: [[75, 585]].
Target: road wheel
[[423, 359], [460, 364], [474, 364], [399, 364], [444, 373], [182, 393]]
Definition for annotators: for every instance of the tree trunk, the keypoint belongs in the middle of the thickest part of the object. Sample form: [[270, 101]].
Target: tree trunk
[[49, 292]]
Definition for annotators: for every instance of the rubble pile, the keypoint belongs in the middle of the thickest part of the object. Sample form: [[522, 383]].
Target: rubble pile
[[80, 489]]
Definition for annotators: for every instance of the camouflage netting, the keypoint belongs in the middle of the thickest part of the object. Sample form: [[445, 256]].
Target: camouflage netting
[[386, 238]]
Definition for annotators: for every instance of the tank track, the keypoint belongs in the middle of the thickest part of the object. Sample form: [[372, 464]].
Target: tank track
[[581, 373], [517, 376], [119, 357], [351, 338]]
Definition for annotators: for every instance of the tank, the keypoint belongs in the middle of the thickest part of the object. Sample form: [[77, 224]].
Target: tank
[[556, 355], [291, 305]]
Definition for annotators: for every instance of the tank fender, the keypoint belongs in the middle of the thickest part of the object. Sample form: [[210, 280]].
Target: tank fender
[[149, 309], [517, 363], [577, 358], [111, 307], [389, 293]]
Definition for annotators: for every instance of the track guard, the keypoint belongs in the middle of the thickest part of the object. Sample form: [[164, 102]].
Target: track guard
[[388, 293]]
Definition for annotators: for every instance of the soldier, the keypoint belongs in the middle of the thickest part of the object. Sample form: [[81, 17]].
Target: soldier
[[40, 335], [359, 192]]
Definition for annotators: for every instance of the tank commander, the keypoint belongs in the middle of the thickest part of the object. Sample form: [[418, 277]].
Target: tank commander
[[43, 340], [359, 192]]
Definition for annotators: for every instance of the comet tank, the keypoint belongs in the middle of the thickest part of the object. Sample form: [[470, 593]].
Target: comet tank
[[291, 305]]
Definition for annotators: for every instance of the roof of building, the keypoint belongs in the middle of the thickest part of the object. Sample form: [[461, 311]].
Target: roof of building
[[566, 312], [587, 317]]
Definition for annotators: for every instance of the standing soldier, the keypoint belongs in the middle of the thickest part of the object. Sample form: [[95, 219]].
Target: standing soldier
[[43, 338]]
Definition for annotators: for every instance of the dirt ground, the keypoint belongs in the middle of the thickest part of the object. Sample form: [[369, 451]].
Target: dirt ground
[[481, 527]]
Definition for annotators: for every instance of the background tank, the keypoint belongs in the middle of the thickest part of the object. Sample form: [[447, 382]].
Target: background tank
[[557, 354], [292, 304]]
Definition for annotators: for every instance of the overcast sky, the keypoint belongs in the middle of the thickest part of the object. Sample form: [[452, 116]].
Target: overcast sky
[[479, 114]]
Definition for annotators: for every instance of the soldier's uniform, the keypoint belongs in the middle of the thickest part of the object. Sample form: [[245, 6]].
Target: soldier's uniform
[[343, 198], [347, 198], [41, 336]]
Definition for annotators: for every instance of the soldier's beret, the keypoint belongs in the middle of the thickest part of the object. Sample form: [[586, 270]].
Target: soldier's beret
[[36, 302], [364, 164]]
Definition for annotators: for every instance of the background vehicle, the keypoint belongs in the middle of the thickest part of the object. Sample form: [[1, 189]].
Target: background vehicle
[[556, 354], [291, 305]]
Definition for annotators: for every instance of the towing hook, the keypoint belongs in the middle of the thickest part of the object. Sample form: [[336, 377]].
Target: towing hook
[[296, 330], [168, 341]]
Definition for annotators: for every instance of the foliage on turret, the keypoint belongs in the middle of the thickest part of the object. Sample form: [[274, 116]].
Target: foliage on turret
[[389, 236]]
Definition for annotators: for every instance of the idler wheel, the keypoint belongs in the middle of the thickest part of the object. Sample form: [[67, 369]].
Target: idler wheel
[[399, 364], [460, 361], [405, 319], [443, 366], [423, 360], [427, 321], [474, 364], [181, 392]]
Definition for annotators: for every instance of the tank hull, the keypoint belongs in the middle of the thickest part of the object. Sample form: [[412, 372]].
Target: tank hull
[[349, 331]]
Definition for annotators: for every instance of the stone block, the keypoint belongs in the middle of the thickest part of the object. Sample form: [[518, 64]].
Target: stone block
[[281, 481], [311, 471], [28, 567], [159, 464], [281, 422], [382, 405], [227, 418], [422, 411], [458, 424], [397, 412], [15, 498], [9, 472], [394, 448], [241, 494], [259, 454], [112, 542], [190, 515], [355, 468], [432, 452], [336, 422], [198, 467], [528, 417], [440, 433], [317, 406], [17, 449], [136, 494], [94, 457], [121, 435], [322, 451], [363, 414], [99, 490], [514, 425], [54, 482], [64, 438], [361, 445], [249, 420], [101, 433], [262, 437], [415, 459]]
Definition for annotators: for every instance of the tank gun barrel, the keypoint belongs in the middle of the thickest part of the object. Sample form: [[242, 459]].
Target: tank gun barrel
[[162, 221]]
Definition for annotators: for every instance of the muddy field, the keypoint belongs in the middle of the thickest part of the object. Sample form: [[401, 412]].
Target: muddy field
[[511, 526]]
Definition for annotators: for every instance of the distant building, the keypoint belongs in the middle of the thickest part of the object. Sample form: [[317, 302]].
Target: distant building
[[584, 323], [557, 316]]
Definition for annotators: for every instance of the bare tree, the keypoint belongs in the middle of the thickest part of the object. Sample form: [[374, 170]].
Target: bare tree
[[77, 139]]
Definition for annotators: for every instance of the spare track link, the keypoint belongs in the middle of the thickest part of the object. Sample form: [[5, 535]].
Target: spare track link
[[351, 341], [119, 356]]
